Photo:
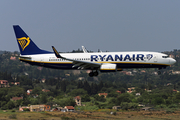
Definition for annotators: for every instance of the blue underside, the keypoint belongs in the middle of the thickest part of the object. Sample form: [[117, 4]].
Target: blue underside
[[119, 65]]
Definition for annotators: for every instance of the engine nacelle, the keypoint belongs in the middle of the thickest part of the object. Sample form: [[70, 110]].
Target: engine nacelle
[[108, 68]]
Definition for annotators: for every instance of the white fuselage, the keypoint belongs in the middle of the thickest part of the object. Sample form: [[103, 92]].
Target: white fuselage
[[121, 59]]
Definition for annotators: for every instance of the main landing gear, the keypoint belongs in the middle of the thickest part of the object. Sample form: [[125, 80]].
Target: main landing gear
[[93, 73]]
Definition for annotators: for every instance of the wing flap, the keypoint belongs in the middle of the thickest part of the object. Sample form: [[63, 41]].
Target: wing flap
[[78, 63]]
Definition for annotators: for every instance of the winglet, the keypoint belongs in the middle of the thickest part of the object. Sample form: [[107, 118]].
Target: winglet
[[84, 49], [56, 52]]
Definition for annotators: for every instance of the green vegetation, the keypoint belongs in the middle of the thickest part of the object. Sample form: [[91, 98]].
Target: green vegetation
[[154, 90]]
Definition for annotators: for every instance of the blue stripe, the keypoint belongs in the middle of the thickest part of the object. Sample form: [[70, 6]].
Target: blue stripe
[[69, 65]]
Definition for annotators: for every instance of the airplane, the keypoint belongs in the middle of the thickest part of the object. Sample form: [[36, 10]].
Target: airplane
[[95, 61]]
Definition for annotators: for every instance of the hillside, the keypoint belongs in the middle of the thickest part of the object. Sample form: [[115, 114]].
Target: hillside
[[160, 91]]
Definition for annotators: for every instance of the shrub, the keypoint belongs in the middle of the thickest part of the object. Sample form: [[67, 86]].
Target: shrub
[[26, 109], [172, 106], [169, 111], [13, 116], [13, 111]]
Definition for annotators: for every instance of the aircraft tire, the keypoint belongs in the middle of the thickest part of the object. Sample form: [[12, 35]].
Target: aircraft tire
[[91, 74]]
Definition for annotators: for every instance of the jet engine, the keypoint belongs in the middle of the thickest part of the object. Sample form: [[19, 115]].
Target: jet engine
[[108, 68]]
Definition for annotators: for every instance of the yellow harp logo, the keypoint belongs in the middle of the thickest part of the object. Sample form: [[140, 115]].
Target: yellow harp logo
[[23, 42]]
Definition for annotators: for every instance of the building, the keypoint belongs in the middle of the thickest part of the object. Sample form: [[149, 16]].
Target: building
[[12, 58], [44, 90], [57, 109], [78, 100], [4, 83], [105, 94], [116, 107], [15, 83], [147, 108], [16, 98], [130, 90], [29, 91], [43, 80], [69, 108], [175, 72], [23, 107], [118, 91], [138, 94], [40, 108]]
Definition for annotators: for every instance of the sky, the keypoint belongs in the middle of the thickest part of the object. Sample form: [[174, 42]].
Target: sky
[[108, 25]]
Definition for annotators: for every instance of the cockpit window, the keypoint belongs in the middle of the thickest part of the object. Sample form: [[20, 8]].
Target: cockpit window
[[165, 56]]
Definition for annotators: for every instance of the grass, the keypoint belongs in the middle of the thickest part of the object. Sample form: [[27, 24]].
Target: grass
[[102, 114]]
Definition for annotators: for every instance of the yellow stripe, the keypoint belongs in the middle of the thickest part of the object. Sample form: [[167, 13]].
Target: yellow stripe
[[55, 51], [107, 69], [98, 62], [133, 63], [45, 62]]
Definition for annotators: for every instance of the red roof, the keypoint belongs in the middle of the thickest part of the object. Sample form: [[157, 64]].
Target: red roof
[[105, 94], [44, 90], [174, 90], [4, 82], [12, 58], [17, 98], [69, 107], [118, 91], [77, 97]]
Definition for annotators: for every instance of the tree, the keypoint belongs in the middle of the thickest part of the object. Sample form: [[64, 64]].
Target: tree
[[99, 98], [139, 90], [66, 102], [77, 92], [85, 98], [10, 104], [87, 87], [18, 103], [79, 85], [36, 90], [178, 96], [63, 86], [94, 88], [100, 86], [43, 98], [113, 94], [124, 97], [157, 101]]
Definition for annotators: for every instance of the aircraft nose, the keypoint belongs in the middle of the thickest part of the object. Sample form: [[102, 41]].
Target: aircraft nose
[[172, 61]]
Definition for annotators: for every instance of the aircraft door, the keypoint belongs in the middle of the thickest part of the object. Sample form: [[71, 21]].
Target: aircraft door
[[155, 58]]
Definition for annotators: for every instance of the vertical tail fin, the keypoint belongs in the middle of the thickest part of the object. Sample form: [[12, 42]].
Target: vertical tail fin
[[26, 45]]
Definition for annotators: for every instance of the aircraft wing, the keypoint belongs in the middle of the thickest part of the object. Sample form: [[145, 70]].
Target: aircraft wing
[[78, 63]]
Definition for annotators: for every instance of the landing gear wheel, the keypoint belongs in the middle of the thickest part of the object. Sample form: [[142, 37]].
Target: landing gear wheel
[[91, 74]]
